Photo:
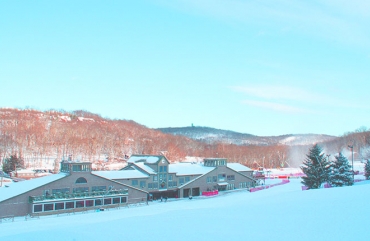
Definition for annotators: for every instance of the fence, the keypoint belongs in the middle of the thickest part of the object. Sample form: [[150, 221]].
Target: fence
[[255, 189], [210, 193]]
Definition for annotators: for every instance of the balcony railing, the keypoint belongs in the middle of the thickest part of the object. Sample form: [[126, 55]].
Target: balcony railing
[[77, 195]]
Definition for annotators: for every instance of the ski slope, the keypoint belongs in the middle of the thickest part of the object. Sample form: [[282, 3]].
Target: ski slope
[[283, 212]]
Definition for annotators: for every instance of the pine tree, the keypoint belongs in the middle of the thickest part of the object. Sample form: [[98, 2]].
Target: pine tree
[[316, 167], [12, 163], [341, 173], [367, 170]]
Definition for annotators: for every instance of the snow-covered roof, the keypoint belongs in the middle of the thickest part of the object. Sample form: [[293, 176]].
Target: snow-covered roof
[[238, 167], [120, 174], [185, 168], [144, 158], [21, 187], [145, 168]]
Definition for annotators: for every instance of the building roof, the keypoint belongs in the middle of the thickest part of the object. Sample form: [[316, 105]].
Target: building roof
[[238, 167], [186, 168], [22, 187], [124, 174], [145, 167]]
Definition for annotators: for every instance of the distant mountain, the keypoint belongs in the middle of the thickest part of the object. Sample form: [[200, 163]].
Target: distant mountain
[[211, 136]]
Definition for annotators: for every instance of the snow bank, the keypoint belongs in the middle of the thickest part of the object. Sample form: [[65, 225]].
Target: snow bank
[[281, 213]]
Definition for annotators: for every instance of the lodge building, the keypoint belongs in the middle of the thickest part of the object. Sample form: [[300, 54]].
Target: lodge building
[[160, 178], [146, 177]]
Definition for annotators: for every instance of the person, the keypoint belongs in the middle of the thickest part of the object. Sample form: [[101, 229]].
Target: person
[[165, 198], [161, 199], [190, 197]]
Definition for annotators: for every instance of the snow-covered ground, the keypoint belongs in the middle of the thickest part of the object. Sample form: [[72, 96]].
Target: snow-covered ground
[[283, 212]]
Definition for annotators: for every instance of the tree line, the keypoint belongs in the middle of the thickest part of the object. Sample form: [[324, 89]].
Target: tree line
[[48, 136]]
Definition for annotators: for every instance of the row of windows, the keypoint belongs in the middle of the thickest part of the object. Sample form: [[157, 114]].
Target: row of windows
[[220, 178], [172, 184], [163, 169], [243, 185], [77, 190], [211, 179], [183, 180], [162, 177], [153, 185], [214, 163], [230, 177], [47, 207], [230, 186]]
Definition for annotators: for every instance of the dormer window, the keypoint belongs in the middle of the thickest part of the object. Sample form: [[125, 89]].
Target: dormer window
[[214, 162], [81, 180]]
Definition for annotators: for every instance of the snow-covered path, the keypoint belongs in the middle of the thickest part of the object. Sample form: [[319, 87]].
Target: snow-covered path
[[280, 213]]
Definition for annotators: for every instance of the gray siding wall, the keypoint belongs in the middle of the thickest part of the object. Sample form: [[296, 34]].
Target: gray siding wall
[[203, 186], [19, 205]]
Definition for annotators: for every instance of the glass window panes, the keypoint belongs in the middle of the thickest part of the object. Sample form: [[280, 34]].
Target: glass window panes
[[37, 208]]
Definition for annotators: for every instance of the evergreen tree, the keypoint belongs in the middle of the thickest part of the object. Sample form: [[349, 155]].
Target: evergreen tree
[[316, 167], [367, 170], [12, 163], [341, 173]]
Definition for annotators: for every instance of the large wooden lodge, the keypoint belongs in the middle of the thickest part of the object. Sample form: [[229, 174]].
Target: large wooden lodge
[[146, 177]]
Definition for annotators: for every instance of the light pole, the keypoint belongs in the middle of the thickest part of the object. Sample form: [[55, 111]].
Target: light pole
[[353, 173]]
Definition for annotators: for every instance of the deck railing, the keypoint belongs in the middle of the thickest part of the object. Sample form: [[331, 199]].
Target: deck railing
[[76, 195]]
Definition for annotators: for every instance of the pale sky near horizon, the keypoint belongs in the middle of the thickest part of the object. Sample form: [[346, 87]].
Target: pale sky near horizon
[[268, 67]]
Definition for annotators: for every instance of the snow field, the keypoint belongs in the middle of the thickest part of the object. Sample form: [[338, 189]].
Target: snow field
[[284, 212]]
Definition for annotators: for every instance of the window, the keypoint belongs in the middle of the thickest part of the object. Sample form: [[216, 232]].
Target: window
[[230, 186], [169, 177], [80, 189], [59, 206], [134, 182], [48, 207], [214, 179], [160, 177], [89, 203], [77, 168], [143, 184], [107, 201], [209, 179], [164, 168], [70, 205], [116, 200], [37, 208], [81, 180], [174, 184], [98, 202], [161, 169], [187, 179], [99, 188], [181, 180], [80, 204], [169, 184], [123, 199], [60, 190], [155, 178], [231, 177], [221, 177]]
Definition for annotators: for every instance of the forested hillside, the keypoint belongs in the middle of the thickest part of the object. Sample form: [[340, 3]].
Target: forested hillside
[[47, 136]]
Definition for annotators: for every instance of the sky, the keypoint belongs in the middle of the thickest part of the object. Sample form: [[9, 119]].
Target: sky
[[266, 68], [280, 213]]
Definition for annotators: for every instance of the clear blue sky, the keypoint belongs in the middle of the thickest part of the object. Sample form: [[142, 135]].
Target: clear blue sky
[[262, 67]]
